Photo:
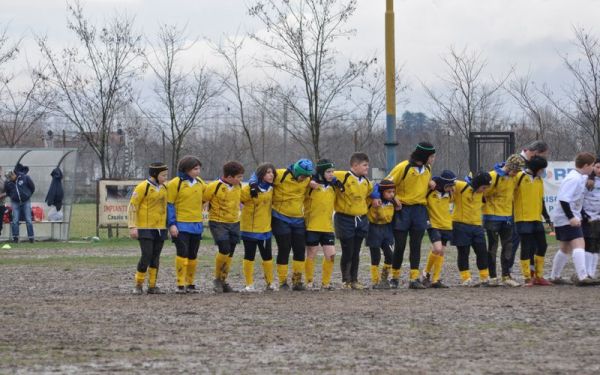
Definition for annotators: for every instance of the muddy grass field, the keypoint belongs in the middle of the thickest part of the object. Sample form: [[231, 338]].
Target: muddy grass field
[[71, 311]]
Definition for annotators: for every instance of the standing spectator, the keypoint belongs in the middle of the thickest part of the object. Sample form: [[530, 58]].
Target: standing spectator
[[19, 187]]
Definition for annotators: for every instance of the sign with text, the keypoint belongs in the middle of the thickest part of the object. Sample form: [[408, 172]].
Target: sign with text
[[113, 201]]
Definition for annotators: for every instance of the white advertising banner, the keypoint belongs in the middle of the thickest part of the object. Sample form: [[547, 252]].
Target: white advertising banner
[[555, 173], [113, 201]]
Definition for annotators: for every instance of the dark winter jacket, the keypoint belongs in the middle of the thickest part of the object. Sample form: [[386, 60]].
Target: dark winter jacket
[[20, 190], [56, 193]]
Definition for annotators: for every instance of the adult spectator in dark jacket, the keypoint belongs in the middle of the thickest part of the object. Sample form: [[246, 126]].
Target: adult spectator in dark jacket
[[20, 187]]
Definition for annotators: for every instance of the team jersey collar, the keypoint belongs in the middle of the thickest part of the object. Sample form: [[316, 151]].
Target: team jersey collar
[[186, 177], [156, 185], [359, 178]]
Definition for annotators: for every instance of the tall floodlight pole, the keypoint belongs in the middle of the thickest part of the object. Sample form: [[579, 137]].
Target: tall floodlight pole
[[390, 87]]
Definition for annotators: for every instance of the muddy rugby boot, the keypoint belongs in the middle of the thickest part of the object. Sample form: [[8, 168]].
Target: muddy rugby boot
[[298, 287], [394, 283], [218, 286], [356, 285], [541, 281], [249, 289], [439, 285], [347, 285], [269, 288], [587, 281], [560, 281], [191, 289], [155, 290], [284, 287], [493, 282], [180, 290], [426, 280], [509, 281], [137, 290], [467, 283], [416, 284], [227, 288], [327, 287]]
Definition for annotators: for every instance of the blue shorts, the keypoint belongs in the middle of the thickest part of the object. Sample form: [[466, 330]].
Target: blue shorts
[[436, 235], [347, 226], [225, 231], [319, 238], [280, 227], [529, 227], [380, 235], [568, 233], [411, 217], [467, 234]]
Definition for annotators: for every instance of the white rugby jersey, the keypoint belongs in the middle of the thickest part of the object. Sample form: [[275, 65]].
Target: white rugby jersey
[[571, 190], [591, 201]]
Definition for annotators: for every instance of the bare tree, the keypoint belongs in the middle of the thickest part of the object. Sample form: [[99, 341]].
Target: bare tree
[[529, 98], [582, 107], [230, 51], [300, 42], [8, 49], [183, 97], [21, 110], [369, 104], [93, 81], [468, 102]]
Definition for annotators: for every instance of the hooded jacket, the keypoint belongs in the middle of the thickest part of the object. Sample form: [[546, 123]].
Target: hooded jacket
[[21, 189]]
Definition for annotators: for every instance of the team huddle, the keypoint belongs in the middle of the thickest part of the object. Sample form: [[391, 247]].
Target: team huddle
[[307, 205]]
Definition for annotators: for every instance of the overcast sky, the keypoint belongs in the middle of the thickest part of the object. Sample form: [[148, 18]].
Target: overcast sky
[[527, 34]]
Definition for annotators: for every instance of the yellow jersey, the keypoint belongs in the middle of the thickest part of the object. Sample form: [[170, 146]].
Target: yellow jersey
[[148, 206], [468, 204], [224, 202], [256, 213], [383, 214], [438, 210], [187, 199], [411, 185], [529, 195], [499, 196], [318, 208], [353, 200], [288, 194]]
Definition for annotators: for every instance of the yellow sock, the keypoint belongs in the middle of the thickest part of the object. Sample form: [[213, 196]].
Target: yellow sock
[[327, 271], [484, 274], [248, 266], [282, 271], [297, 271], [539, 266], [395, 273], [180, 270], [220, 265], [431, 259], [385, 272], [375, 275], [191, 271], [228, 263], [437, 269], [309, 269], [152, 275], [190, 276], [465, 275], [140, 277], [414, 275], [525, 270], [268, 270]]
